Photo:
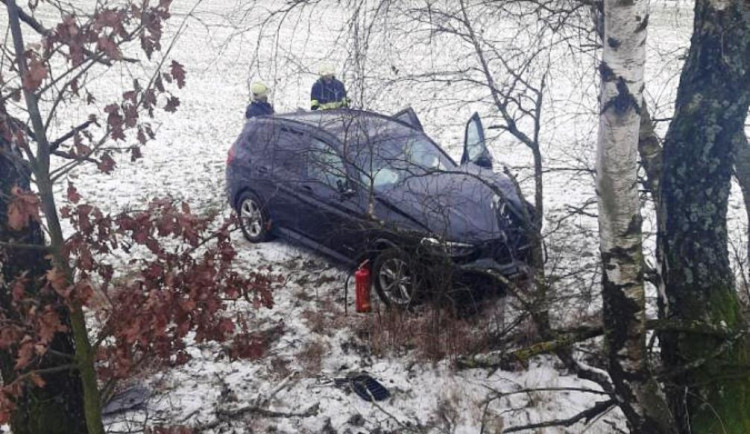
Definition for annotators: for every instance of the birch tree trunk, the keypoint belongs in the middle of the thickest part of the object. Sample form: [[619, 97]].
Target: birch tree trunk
[[622, 68], [709, 389], [742, 172]]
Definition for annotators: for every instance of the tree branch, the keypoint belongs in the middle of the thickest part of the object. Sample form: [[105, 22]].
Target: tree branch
[[504, 360], [56, 144], [13, 245], [39, 28], [586, 415]]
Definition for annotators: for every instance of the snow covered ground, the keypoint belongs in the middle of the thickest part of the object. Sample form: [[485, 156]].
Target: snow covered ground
[[318, 340]]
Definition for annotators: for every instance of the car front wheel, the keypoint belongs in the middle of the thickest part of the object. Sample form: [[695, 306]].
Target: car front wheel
[[394, 278], [254, 220]]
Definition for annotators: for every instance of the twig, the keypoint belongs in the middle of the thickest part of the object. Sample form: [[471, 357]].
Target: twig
[[548, 389], [224, 415], [263, 401], [56, 144], [586, 415], [231, 414], [39, 28], [14, 245], [403, 426]]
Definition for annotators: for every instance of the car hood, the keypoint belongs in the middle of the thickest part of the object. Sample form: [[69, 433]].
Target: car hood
[[456, 205]]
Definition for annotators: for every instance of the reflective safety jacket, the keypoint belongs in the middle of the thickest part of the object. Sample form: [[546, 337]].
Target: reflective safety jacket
[[327, 95], [258, 108]]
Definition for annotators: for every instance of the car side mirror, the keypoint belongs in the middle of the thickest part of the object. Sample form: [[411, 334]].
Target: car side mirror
[[484, 161], [344, 188]]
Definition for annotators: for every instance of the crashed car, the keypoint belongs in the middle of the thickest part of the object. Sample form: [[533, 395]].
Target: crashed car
[[361, 186]]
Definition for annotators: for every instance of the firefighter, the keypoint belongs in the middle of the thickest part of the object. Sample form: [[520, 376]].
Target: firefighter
[[259, 105], [328, 92]]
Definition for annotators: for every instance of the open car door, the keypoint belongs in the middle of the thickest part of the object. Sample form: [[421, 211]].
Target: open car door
[[409, 117], [475, 149]]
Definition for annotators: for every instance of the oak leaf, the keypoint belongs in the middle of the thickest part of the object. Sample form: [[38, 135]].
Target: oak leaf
[[58, 281], [37, 379], [178, 72], [35, 75], [23, 206], [72, 193], [109, 47], [135, 151], [106, 164], [172, 103], [25, 353]]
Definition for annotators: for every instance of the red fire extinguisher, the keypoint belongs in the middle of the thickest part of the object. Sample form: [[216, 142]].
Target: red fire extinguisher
[[362, 284]]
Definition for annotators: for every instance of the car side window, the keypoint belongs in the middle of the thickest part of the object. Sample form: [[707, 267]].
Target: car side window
[[260, 138], [325, 165], [289, 152]]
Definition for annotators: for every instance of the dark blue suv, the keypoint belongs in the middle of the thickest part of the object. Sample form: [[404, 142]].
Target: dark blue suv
[[357, 185]]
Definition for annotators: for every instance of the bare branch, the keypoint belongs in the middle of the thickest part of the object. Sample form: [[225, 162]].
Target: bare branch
[[586, 416]]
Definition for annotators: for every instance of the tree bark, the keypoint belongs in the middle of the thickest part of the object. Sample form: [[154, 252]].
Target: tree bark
[[742, 172], [651, 154], [712, 103], [623, 294], [57, 407]]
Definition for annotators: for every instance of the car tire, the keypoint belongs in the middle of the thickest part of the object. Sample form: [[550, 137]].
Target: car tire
[[394, 277], [253, 216]]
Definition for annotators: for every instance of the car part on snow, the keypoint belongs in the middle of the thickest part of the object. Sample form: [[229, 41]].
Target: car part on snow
[[364, 386], [368, 388], [129, 399]]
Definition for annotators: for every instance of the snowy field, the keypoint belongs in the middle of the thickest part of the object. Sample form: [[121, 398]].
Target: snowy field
[[219, 46]]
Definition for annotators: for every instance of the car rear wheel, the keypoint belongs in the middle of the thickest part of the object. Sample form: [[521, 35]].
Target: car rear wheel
[[254, 220], [394, 278]]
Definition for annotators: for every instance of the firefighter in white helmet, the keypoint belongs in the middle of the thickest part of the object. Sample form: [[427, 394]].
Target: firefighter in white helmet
[[328, 92], [259, 105]]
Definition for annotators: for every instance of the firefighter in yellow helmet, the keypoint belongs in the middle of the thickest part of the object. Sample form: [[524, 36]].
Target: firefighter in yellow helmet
[[328, 92], [259, 105]]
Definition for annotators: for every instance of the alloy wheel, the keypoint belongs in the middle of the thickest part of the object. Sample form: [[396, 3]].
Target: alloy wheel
[[396, 281], [252, 218]]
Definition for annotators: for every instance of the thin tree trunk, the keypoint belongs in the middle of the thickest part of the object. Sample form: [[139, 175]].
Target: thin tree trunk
[[84, 355], [622, 68], [712, 103], [742, 172], [56, 408]]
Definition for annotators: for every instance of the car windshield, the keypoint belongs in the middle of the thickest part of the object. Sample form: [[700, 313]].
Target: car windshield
[[387, 158]]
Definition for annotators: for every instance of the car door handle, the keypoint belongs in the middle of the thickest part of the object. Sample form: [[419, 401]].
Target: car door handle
[[263, 169], [307, 188]]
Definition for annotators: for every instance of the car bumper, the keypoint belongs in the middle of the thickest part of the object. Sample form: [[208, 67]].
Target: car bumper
[[495, 270], [494, 259]]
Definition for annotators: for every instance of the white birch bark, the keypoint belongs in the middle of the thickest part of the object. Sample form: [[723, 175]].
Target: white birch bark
[[622, 70]]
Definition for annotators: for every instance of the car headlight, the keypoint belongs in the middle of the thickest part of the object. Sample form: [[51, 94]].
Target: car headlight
[[450, 248]]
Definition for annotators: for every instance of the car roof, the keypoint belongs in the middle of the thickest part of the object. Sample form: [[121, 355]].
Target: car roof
[[345, 122]]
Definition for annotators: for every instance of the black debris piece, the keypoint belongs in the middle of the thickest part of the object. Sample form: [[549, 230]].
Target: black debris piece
[[368, 388], [129, 399]]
